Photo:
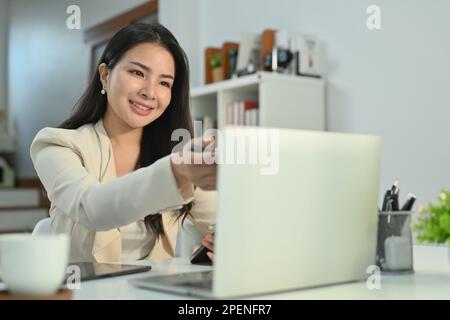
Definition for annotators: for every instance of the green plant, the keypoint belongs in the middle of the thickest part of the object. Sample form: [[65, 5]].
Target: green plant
[[433, 223], [215, 61]]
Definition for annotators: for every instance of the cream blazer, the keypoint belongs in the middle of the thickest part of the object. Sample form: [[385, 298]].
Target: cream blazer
[[89, 202]]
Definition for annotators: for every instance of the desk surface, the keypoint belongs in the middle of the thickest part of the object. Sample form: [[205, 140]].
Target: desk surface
[[431, 280]]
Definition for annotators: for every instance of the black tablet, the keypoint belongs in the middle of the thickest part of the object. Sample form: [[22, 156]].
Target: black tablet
[[94, 270]]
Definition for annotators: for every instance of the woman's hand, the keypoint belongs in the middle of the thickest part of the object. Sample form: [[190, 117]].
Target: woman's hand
[[192, 167], [208, 241]]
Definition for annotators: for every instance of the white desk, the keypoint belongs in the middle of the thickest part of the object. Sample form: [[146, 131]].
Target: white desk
[[431, 280]]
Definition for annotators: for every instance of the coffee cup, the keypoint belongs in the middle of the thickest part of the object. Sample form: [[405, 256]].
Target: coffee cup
[[33, 264]]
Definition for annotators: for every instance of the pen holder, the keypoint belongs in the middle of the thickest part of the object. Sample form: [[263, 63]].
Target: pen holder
[[394, 245]]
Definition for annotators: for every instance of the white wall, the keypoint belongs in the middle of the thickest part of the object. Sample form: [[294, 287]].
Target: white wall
[[393, 82], [48, 64], [97, 11], [4, 5], [186, 20]]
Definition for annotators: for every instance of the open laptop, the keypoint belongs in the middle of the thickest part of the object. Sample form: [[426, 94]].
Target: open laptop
[[312, 223]]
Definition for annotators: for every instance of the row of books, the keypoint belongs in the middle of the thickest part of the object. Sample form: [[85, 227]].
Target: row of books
[[244, 113]]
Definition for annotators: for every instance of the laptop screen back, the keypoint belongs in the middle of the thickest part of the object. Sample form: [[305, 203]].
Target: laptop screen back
[[308, 220]]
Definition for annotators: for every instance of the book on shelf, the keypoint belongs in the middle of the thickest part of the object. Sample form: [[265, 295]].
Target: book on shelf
[[202, 124], [244, 113], [251, 117]]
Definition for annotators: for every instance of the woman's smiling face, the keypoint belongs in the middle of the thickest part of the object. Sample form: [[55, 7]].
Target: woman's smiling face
[[139, 87]]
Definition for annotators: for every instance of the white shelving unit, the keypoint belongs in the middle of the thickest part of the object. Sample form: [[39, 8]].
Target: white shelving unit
[[6, 143], [285, 101]]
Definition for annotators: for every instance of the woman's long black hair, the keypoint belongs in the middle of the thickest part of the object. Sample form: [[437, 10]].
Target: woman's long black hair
[[156, 138]]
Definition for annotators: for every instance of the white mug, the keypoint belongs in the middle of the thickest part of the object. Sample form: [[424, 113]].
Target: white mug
[[33, 264]]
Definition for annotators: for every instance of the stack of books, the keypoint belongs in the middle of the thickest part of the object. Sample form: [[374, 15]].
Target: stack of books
[[243, 113]]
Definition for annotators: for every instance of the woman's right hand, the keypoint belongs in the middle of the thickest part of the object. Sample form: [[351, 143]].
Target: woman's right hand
[[190, 167], [208, 242]]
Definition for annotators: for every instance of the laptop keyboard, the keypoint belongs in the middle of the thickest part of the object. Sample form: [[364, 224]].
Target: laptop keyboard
[[200, 280], [197, 284]]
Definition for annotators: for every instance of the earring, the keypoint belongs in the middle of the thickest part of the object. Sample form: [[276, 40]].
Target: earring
[[103, 92]]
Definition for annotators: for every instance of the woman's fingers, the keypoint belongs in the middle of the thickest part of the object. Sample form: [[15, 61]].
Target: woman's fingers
[[208, 241], [203, 176], [204, 142], [200, 145], [210, 238], [207, 244], [210, 255], [196, 151], [196, 166]]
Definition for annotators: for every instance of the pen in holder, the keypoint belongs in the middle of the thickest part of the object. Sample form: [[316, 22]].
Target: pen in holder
[[394, 245]]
